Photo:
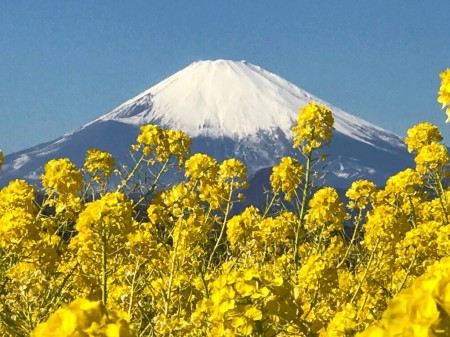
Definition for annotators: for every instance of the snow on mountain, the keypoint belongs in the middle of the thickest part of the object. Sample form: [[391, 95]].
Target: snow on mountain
[[231, 109], [232, 99]]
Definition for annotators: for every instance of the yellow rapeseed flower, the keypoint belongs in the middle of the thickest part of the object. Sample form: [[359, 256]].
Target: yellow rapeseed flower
[[326, 211], [85, 318], [61, 176], [444, 92], [99, 164], [163, 143], [242, 228], [314, 128], [360, 193], [431, 157], [286, 177], [407, 181], [422, 134], [201, 166]]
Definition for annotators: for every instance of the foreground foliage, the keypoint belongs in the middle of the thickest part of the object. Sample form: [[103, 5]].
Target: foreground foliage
[[145, 259]]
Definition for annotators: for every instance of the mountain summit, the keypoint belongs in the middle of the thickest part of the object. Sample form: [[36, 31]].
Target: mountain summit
[[232, 99], [231, 109]]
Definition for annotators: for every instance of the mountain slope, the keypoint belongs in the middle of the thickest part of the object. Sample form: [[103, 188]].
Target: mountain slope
[[231, 109]]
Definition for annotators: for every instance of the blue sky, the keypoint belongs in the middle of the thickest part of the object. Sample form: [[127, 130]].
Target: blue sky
[[64, 63]]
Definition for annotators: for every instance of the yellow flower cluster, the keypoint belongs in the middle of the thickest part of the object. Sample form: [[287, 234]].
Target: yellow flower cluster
[[360, 194], [63, 182], [102, 229], [216, 183], [163, 143], [184, 260], [85, 318], [326, 212], [277, 232], [241, 303], [421, 310], [201, 166], [286, 176], [314, 128], [421, 135], [61, 177], [242, 229], [431, 156], [99, 163], [407, 182], [17, 210], [444, 92]]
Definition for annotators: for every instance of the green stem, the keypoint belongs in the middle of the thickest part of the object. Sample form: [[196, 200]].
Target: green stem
[[104, 269], [352, 241], [222, 230], [131, 174], [408, 272], [302, 208], [413, 211], [269, 206], [133, 282], [172, 269], [441, 195], [366, 271], [154, 185]]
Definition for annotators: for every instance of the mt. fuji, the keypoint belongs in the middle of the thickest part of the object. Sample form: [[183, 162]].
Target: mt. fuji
[[231, 109]]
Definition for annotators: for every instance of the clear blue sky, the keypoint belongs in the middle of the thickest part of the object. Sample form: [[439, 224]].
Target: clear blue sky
[[64, 63]]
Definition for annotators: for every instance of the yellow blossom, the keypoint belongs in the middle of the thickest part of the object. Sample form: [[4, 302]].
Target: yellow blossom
[[242, 230], [286, 176], [431, 157], [444, 92], [61, 177], [182, 260], [407, 181], [99, 164], [85, 318], [421, 135], [201, 166], [360, 193], [326, 211], [164, 143], [314, 128]]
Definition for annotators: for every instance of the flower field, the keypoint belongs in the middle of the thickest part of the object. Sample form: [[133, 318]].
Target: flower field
[[87, 257]]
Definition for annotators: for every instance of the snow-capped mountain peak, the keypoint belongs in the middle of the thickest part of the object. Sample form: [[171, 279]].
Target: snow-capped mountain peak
[[230, 109], [235, 99], [215, 98]]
